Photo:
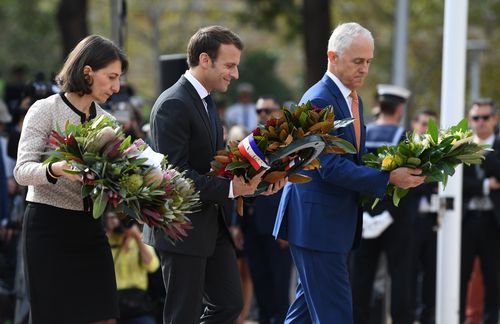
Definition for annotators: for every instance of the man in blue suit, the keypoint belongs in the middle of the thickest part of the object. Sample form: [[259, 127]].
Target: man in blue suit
[[321, 219]]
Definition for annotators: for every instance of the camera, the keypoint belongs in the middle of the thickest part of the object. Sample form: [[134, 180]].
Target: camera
[[125, 223]]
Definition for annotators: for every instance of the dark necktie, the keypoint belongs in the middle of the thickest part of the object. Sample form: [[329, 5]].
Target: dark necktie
[[212, 116]]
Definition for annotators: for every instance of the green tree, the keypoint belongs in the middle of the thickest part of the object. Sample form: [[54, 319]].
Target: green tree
[[307, 20], [72, 20], [29, 36], [258, 68]]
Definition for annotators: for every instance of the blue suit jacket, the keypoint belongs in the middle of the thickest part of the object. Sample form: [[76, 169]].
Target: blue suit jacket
[[324, 214]]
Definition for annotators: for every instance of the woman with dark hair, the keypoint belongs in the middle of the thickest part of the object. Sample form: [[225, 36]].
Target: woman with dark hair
[[69, 267]]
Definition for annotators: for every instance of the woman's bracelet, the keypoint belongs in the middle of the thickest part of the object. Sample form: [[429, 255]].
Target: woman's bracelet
[[49, 170]]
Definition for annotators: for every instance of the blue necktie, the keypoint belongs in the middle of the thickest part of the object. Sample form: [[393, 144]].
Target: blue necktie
[[212, 116], [4, 198]]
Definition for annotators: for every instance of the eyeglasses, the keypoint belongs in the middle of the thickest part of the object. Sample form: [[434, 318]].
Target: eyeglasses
[[268, 111], [478, 117]]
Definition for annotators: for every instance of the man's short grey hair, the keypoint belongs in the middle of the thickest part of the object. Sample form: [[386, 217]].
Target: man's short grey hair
[[343, 35]]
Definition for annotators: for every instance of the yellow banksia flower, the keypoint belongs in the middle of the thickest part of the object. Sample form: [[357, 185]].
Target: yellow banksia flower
[[388, 163]]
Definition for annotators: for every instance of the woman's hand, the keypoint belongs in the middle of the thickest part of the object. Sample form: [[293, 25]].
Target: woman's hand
[[58, 168]]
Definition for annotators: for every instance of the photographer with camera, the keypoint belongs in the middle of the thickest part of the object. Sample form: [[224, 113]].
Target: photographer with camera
[[133, 261]]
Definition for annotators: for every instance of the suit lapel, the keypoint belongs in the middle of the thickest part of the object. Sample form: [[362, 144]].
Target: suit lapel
[[200, 109], [341, 104]]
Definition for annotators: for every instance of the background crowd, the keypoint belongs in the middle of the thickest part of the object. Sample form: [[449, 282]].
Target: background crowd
[[399, 261], [393, 273]]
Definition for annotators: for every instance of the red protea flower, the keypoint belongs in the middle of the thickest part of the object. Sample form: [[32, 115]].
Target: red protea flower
[[271, 122], [113, 198], [222, 170], [176, 230], [256, 132], [70, 139], [169, 188], [151, 214], [56, 138]]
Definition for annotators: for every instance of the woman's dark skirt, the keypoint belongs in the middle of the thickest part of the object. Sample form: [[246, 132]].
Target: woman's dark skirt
[[68, 265]]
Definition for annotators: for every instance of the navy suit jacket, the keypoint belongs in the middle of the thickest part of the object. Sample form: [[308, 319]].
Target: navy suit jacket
[[324, 214]]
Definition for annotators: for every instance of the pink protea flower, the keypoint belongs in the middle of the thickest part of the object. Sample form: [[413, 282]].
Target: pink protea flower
[[169, 174], [153, 176], [131, 150]]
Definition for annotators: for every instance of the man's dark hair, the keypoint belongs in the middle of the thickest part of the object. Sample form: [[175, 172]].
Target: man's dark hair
[[485, 102], [389, 103], [208, 40], [424, 111], [94, 51]]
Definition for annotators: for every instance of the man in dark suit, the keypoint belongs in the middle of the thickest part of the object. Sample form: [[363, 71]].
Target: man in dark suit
[[200, 274], [395, 240], [321, 219], [425, 237], [481, 221]]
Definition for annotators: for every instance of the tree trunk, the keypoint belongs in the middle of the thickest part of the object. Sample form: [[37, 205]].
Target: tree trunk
[[72, 20], [317, 30]]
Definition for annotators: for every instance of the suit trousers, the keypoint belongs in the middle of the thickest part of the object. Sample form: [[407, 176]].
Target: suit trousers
[[481, 237], [323, 292], [202, 289]]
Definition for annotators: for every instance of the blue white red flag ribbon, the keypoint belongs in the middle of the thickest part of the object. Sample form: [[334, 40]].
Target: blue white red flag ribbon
[[292, 163], [249, 149]]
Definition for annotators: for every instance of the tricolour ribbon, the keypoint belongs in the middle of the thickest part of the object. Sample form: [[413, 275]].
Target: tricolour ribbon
[[249, 149], [292, 163]]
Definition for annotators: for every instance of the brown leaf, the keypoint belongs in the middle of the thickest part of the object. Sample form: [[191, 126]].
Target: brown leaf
[[273, 146], [329, 137], [279, 121], [298, 178], [334, 149], [284, 126], [222, 159], [239, 206], [314, 164], [221, 152], [275, 176], [288, 139], [300, 132], [272, 132], [314, 116], [283, 135], [319, 126]]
